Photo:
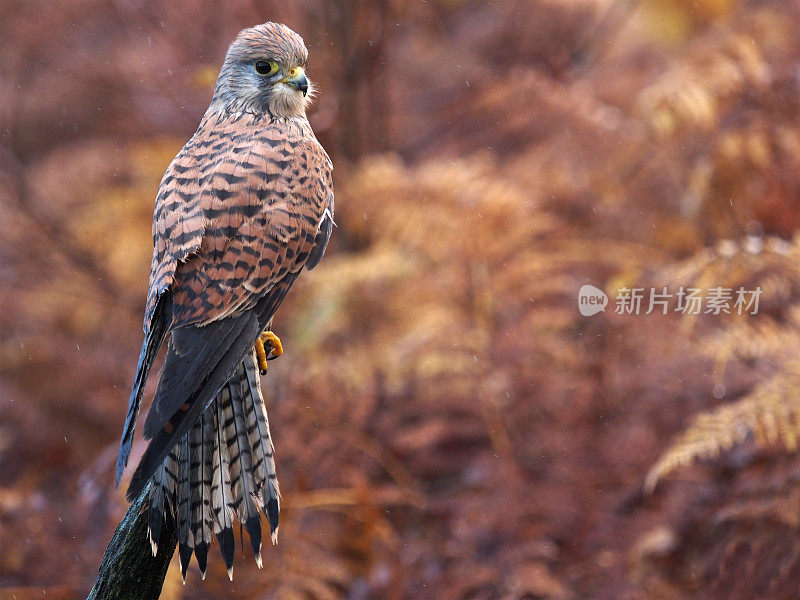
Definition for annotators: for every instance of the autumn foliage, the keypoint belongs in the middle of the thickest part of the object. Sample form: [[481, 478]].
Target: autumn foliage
[[447, 424]]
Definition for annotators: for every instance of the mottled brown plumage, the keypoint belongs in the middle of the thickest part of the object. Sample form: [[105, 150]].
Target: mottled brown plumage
[[238, 209], [241, 210]]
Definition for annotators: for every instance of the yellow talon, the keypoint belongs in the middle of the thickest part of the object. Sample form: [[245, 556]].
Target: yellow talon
[[275, 349]]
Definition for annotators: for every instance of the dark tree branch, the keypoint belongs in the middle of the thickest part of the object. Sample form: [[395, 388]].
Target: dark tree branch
[[129, 570]]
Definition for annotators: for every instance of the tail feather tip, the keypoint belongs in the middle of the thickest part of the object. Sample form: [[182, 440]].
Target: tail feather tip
[[153, 543]]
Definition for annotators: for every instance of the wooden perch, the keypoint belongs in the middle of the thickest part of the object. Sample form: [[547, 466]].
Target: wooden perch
[[129, 570]]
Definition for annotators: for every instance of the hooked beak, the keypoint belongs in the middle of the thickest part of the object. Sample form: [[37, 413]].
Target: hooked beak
[[297, 79]]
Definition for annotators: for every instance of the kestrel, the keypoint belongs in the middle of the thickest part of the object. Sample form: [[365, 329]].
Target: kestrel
[[241, 210]]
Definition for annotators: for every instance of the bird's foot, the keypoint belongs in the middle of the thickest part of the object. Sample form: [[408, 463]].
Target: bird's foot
[[268, 347]]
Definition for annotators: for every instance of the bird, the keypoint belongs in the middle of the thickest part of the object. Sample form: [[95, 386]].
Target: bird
[[242, 209]]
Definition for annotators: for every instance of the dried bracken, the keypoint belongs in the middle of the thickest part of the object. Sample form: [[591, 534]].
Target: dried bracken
[[770, 414], [448, 424]]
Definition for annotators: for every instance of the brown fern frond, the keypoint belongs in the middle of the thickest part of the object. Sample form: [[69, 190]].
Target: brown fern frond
[[771, 414], [779, 505], [765, 339], [748, 262]]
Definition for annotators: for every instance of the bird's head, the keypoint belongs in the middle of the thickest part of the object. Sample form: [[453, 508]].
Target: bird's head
[[264, 73]]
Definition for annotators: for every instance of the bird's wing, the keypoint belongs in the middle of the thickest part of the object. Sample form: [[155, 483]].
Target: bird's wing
[[255, 243], [237, 216], [236, 210], [154, 337], [323, 234]]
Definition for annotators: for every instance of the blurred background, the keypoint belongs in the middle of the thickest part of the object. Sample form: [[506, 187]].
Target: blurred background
[[447, 424]]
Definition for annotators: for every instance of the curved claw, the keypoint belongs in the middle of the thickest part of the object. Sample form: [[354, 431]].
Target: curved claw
[[275, 349]]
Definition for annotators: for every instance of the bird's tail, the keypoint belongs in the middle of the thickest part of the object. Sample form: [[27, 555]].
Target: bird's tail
[[221, 469]]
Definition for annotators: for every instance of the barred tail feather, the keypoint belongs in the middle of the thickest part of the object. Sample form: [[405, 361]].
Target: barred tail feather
[[260, 441], [162, 497], [222, 468], [201, 490], [185, 542], [221, 492], [241, 459], [203, 520]]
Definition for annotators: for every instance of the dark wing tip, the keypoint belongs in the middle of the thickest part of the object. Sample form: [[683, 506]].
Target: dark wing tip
[[122, 462], [201, 552], [253, 527], [184, 555], [226, 546], [155, 519], [272, 510], [136, 486], [144, 471]]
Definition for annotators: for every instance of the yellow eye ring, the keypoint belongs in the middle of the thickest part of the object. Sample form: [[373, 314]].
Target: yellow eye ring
[[265, 67]]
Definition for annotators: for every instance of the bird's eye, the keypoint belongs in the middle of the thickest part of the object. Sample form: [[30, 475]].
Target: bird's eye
[[265, 67]]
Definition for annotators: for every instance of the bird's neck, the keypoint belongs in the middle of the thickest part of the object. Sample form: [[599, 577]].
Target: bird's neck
[[217, 114]]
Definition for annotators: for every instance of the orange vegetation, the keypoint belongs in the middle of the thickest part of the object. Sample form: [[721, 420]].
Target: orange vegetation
[[447, 424]]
